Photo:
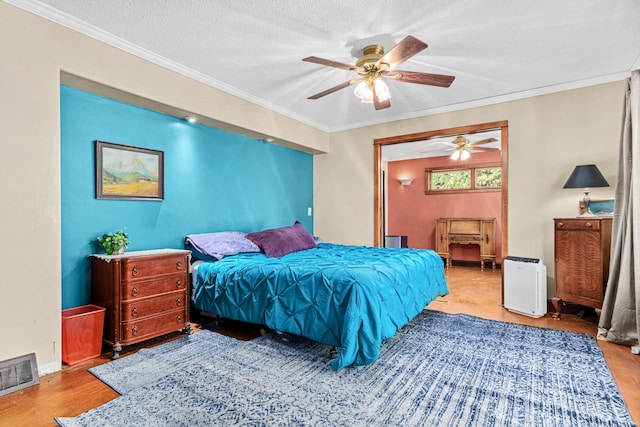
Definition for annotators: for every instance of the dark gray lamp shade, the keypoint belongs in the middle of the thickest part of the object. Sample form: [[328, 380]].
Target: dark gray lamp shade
[[586, 176]]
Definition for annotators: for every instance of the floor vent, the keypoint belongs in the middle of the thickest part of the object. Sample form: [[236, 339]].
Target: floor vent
[[18, 373]]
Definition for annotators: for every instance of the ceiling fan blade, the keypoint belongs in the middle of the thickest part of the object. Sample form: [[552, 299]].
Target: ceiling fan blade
[[331, 63], [484, 141], [404, 50], [380, 104], [441, 80], [474, 148], [333, 89], [435, 150]]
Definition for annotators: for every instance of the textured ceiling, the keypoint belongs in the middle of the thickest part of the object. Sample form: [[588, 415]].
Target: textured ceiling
[[497, 49]]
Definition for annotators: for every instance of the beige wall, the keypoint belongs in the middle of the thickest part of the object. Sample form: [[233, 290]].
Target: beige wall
[[548, 136]]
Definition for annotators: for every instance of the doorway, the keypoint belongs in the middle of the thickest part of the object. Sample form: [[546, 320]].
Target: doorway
[[427, 141]]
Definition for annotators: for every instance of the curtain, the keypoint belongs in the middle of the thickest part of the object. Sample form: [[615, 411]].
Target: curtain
[[620, 316]]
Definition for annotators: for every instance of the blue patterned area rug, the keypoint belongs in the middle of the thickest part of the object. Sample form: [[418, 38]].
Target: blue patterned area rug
[[440, 370]]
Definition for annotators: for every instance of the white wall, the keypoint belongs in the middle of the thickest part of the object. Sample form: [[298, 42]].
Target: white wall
[[549, 135]]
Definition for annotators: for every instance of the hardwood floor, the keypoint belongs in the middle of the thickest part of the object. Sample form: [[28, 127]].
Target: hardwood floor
[[74, 390]]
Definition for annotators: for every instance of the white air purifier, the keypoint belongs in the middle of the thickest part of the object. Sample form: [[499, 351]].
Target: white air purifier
[[525, 286]]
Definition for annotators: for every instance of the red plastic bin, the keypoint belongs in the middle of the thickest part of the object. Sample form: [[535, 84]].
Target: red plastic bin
[[82, 333]]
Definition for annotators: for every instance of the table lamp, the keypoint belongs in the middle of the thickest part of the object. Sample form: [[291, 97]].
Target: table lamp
[[586, 176]]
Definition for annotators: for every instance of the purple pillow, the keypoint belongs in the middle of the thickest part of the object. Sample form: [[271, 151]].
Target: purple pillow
[[278, 242], [217, 245]]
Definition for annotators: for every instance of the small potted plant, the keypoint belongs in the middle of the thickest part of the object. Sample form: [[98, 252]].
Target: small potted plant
[[114, 243]]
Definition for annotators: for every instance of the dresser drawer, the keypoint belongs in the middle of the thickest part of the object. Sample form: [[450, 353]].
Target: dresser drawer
[[139, 330], [141, 268], [150, 306], [148, 288], [577, 224], [464, 238]]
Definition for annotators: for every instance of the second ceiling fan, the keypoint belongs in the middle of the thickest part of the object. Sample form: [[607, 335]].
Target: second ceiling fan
[[375, 65], [461, 147]]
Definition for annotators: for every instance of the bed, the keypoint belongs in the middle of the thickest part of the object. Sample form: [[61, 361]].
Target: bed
[[350, 297]]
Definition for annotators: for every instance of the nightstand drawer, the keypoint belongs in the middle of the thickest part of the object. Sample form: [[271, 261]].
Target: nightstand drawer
[[138, 330], [577, 224], [143, 268], [151, 306], [142, 289]]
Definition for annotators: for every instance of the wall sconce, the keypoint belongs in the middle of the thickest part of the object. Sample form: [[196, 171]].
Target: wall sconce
[[586, 176], [405, 181]]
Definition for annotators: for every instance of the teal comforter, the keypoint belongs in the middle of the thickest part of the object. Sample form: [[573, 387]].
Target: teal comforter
[[352, 297]]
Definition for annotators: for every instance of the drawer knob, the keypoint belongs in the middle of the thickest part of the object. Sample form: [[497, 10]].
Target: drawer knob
[[134, 330], [589, 225], [178, 318], [134, 292], [178, 284], [178, 301], [179, 265], [560, 224], [134, 311], [134, 271]]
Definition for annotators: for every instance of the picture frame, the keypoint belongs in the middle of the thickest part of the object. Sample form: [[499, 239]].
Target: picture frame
[[599, 207], [124, 172]]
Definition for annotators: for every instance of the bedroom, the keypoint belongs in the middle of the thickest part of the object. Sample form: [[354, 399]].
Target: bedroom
[[550, 134]]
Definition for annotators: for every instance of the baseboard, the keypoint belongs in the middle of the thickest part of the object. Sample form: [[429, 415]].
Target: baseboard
[[475, 264], [49, 368]]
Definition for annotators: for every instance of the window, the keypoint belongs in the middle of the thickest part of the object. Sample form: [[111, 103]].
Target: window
[[472, 178]]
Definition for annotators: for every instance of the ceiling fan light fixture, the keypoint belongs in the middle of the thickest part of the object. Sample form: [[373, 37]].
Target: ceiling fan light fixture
[[364, 92], [382, 90], [460, 154]]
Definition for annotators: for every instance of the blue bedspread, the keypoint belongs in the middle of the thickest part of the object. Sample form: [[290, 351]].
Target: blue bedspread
[[352, 297]]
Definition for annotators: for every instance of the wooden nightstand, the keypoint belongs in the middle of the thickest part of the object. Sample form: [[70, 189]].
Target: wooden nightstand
[[145, 294], [582, 249]]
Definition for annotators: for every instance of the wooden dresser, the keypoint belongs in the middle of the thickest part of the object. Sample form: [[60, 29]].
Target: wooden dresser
[[582, 248], [467, 231], [145, 294]]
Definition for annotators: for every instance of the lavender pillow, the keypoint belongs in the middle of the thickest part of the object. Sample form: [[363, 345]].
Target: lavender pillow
[[215, 246], [278, 242]]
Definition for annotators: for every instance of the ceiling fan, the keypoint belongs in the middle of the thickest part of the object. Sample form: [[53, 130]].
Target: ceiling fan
[[461, 147], [375, 65]]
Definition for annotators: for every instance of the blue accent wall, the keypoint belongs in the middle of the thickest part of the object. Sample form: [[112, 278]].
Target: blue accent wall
[[214, 181]]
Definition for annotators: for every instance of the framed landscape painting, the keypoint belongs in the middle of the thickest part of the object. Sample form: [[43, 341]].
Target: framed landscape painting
[[128, 173]]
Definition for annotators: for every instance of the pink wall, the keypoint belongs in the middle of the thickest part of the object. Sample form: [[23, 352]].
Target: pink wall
[[413, 213]]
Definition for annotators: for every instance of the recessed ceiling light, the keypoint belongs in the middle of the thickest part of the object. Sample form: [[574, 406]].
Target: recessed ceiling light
[[190, 119], [268, 140]]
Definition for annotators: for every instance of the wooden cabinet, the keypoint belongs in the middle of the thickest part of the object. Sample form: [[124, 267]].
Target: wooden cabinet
[[467, 231], [582, 249], [145, 294]]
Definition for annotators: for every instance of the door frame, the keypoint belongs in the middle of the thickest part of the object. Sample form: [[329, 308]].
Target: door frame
[[378, 184]]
